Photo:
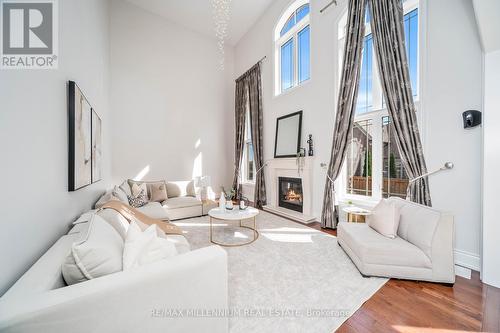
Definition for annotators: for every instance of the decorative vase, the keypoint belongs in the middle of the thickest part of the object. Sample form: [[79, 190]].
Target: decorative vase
[[229, 204], [222, 201]]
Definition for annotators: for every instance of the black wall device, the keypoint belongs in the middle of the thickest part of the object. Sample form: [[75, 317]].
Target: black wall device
[[472, 118]]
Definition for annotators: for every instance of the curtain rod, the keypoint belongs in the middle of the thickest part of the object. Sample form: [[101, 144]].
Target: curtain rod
[[242, 75], [329, 4]]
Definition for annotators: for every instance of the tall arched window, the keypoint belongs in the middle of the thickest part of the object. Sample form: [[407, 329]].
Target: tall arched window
[[292, 47]]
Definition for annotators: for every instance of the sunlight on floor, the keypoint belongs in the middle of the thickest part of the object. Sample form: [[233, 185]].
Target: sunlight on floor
[[288, 229], [238, 234], [411, 329], [287, 238], [182, 224]]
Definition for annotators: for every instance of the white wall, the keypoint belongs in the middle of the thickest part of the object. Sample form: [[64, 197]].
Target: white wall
[[491, 165], [167, 94], [451, 83], [37, 207], [315, 98]]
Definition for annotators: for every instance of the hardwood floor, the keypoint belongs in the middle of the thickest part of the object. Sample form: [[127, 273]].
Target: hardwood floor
[[409, 306]]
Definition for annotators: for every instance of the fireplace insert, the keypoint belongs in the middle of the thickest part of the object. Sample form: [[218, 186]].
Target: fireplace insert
[[290, 193]]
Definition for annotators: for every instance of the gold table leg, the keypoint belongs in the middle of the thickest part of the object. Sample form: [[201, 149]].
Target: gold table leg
[[254, 229]]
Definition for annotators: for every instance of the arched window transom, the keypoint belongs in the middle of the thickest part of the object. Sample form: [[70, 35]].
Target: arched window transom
[[292, 47]]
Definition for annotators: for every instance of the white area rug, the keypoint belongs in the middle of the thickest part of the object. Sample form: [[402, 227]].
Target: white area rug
[[292, 279]]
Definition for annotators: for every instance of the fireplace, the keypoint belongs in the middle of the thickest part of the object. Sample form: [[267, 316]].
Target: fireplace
[[290, 193]]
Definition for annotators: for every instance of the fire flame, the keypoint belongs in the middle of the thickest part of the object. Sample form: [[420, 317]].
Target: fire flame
[[291, 195]]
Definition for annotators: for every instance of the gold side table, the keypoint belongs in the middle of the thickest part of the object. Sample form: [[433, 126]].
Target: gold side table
[[354, 213], [234, 215]]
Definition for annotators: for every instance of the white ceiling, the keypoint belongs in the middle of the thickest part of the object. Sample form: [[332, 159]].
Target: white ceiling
[[197, 15]]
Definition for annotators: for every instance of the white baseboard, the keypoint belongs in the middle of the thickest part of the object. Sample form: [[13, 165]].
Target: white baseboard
[[290, 214], [467, 260], [463, 272]]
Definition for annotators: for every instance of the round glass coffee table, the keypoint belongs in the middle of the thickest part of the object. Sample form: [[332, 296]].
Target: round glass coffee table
[[234, 215]]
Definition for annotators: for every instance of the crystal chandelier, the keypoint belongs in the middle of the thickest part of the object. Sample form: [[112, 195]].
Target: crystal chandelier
[[221, 12]]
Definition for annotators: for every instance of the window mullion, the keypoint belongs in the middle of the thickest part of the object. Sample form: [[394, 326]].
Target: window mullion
[[377, 95], [278, 73], [295, 59], [377, 157]]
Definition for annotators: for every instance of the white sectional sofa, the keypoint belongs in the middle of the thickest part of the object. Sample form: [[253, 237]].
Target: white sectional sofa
[[146, 299], [183, 201], [423, 249]]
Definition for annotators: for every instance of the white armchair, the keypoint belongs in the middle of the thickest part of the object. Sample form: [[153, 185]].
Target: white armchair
[[423, 249]]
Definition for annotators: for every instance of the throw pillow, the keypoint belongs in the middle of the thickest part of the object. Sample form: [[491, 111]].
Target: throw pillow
[[85, 217], [190, 189], [157, 191], [143, 226], [99, 254], [179, 241], [108, 196], [136, 188], [116, 220], [145, 247], [120, 194], [125, 187], [173, 189], [385, 218], [139, 200]]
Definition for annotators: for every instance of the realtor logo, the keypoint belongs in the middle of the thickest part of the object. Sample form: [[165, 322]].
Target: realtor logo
[[29, 34]]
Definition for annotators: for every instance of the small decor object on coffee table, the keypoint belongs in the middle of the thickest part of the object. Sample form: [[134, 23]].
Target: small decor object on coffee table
[[234, 215], [243, 203]]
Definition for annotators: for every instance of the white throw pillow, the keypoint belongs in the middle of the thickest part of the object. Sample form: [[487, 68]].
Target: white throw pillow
[[105, 198], [85, 217], [121, 224], [125, 187], [385, 218], [116, 220], [190, 189], [145, 247], [98, 254], [120, 194], [174, 190], [143, 226]]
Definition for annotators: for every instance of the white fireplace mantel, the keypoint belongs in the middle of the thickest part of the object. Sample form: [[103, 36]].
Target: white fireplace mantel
[[287, 167]]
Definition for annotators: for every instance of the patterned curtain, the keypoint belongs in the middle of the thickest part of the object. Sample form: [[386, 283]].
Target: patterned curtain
[[346, 105], [255, 105], [249, 89], [389, 43], [239, 121]]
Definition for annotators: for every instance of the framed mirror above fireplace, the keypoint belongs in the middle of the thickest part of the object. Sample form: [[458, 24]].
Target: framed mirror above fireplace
[[288, 135]]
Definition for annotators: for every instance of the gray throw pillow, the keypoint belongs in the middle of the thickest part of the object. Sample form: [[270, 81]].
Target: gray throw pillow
[[138, 201]]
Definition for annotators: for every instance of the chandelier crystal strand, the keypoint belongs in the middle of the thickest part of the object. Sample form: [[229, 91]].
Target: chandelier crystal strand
[[221, 12]]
